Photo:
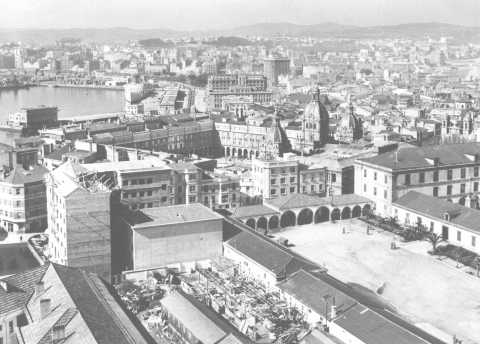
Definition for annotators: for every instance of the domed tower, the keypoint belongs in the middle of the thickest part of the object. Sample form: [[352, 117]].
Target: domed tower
[[276, 141], [317, 120], [350, 127]]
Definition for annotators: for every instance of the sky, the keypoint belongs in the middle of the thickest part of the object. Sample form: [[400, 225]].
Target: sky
[[189, 15]]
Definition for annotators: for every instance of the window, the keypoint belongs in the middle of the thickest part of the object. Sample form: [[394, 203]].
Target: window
[[407, 179], [334, 177], [304, 189], [180, 200], [432, 226], [273, 192], [164, 186], [149, 193], [17, 191], [386, 179], [141, 181], [374, 175], [449, 190], [304, 177], [193, 188], [192, 199], [313, 188], [292, 169], [10, 326], [283, 180], [273, 181], [375, 191], [164, 199], [462, 188], [449, 175], [365, 173], [192, 177], [435, 191], [149, 205], [125, 195], [422, 177], [179, 189], [133, 182], [224, 198], [292, 179], [142, 193], [474, 240], [364, 187], [149, 180], [396, 212], [142, 206], [283, 190], [463, 173], [292, 189], [407, 217], [385, 193], [475, 171], [475, 186], [234, 197], [435, 176], [459, 236]]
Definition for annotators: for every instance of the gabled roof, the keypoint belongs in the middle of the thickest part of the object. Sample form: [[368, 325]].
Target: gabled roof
[[294, 201], [20, 288], [253, 210], [267, 253], [57, 154], [22, 176]]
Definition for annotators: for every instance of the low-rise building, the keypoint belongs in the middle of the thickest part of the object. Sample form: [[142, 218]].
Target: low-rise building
[[35, 117]]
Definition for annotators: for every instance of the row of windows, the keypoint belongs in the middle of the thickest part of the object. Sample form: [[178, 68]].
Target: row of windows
[[283, 191], [313, 188], [421, 175], [282, 181], [137, 194], [140, 182], [450, 189]]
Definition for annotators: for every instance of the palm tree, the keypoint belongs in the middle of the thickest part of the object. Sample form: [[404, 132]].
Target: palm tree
[[434, 239], [392, 221], [368, 213]]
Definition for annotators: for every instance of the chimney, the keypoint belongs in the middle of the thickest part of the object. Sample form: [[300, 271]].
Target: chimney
[[334, 312], [39, 288], [45, 307]]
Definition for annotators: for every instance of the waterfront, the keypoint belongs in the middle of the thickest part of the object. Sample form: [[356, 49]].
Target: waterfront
[[70, 101]]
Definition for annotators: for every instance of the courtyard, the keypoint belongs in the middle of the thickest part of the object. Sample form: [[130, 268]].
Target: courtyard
[[424, 290]]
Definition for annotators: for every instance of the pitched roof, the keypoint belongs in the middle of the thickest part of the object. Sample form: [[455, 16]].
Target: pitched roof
[[434, 207], [416, 157], [204, 324], [58, 153], [267, 253], [99, 317], [370, 327], [21, 286], [253, 210], [169, 215], [21, 176], [295, 200]]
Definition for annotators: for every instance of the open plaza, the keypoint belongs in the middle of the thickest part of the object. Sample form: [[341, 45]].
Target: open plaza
[[423, 289]]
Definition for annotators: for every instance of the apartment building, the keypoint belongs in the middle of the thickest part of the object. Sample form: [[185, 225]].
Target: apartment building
[[23, 202], [449, 172], [35, 117], [275, 66], [280, 176]]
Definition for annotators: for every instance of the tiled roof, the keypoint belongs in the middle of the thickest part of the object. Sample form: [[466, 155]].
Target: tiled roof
[[21, 286], [100, 319], [22, 176], [309, 290], [409, 158], [434, 207], [345, 199], [204, 324], [58, 153], [170, 215], [370, 327], [253, 210], [295, 200], [267, 253]]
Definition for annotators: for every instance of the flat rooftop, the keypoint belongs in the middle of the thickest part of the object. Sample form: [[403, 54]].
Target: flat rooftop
[[93, 117]]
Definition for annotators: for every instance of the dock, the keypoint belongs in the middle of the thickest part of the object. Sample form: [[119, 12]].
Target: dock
[[101, 117]]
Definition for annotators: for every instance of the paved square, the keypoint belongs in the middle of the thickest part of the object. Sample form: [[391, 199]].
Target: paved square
[[424, 288]]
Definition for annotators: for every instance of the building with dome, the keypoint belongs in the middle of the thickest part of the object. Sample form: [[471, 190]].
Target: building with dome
[[458, 121], [316, 122], [349, 128]]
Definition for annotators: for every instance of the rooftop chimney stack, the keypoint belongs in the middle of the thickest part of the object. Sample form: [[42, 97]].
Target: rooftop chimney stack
[[334, 312]]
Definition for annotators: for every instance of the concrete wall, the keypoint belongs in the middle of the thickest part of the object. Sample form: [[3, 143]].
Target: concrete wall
[[177, 243]]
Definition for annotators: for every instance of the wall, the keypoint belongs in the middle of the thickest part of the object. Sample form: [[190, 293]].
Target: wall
[[177, 243]]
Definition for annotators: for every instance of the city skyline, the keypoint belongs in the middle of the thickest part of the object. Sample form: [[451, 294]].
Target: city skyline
[[192, 15]]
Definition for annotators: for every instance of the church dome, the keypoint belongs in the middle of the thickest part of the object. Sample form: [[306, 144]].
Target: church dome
[[349, 120], [315, 108]]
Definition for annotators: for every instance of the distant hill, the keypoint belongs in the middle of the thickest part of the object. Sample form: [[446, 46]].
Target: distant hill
[[326, 29], [231, 41], [151, 42]]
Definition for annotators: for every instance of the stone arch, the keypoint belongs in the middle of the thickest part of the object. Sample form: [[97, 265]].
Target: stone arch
[[257, 154], [227, 151], [336, 214], [305, 217], [366, 207], [273, 222], [239, 152], [346, 213], [356, 211], [252, 154], [262, 223], [461, 201], [288, 219], [251, 223], [245, 153], [234, 151], [322, 215]]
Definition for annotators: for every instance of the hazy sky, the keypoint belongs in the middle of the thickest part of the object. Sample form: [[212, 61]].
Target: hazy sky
[[221, 14]]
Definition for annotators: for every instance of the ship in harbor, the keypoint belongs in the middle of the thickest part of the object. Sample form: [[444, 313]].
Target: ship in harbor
[[136, 92]]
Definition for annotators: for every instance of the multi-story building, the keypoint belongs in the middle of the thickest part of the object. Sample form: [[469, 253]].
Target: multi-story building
[[275, 66], [18, 157], [23, 200], [36, 117], [78, 206], [450, 172]]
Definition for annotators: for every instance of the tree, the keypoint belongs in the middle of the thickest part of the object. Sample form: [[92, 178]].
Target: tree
[[368, 213], [434, 239], [392, 221], [456, 254]]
